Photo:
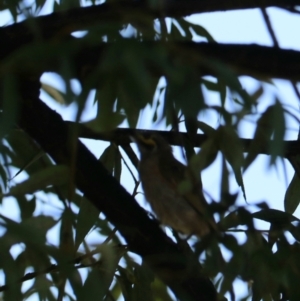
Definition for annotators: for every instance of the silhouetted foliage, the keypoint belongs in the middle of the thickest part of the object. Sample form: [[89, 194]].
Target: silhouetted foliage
[[131, 56]]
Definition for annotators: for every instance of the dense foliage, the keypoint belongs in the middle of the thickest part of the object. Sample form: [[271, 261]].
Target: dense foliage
[[132, 55]]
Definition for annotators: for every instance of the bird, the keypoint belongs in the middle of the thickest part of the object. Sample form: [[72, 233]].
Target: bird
[[161, 176]]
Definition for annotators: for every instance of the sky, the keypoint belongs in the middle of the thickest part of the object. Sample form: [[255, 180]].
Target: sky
[[262, 183]]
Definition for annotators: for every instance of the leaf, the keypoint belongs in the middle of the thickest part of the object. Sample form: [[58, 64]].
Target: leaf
[[205, 157], [262, 136], [224, 182], [29, 163], [206, 129], [125, 280], [232, 220], [230, 79], [218, 86], [111, 159], [175, 32], [128, 79], [105, 121], [232, 149], [142, 284], [140, 83], [3, 176], [275, 216], [278, 123], [295, 231], [42, 287], [86, 219], [170, 112], [107, 117], [292, 195], [185, 27], [257, 94], [66, 242], [160, 290], [76, 282], [183, 90], [222, 90], [202, 32], [54, 93], [9, 102], [12, 274], [35, 258], [27, 206], [40, 223], [118, 164], [31, 231], [26, 150], [53, 175], [212, 86], [101, 276]]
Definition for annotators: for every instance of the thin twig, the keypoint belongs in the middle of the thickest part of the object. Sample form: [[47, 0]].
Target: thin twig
[[246, 231], [275, 42], [295, 89], [269, 26], [110, 236], [134, 178], [130, 154], [135, 189], [54, 268], [32, 275]]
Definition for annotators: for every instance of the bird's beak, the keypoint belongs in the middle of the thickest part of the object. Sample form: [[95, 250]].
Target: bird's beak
[[143, 141]]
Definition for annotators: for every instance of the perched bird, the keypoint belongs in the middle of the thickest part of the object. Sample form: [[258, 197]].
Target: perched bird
[[161, 175]]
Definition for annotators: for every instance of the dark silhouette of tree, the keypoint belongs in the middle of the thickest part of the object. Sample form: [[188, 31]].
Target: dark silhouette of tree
[[126, 50]]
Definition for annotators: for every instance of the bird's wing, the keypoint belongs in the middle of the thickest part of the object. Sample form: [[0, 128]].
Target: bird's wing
[[175, 172]]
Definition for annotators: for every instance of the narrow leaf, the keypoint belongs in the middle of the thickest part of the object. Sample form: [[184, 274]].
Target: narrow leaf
[[54, 93], [101, 276], [278, 123], [53, 175], [275, 216], [262, 135], [87, 217], [202, 32], [292, 195], [205, 157], [232, 149], [66, 242], [206, 129], [142, 285]]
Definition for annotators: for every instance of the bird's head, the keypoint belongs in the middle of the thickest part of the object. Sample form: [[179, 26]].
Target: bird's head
[[151, 144]]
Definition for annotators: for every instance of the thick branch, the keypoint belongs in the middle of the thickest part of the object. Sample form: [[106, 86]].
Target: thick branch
[[62, 23], [253, 60]]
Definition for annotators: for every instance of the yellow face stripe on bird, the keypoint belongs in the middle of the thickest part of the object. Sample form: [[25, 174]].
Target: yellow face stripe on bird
[[146, 141]]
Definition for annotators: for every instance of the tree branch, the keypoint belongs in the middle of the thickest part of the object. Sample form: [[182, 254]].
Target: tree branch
[[60, 24], [76, 263], [209, 58], [121, 136]]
